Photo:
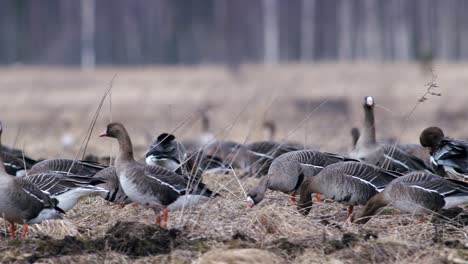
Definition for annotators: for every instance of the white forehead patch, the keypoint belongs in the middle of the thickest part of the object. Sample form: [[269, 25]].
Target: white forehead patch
[[369, 100]]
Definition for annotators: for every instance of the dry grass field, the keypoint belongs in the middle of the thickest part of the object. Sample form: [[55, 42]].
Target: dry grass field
[[313, 104]]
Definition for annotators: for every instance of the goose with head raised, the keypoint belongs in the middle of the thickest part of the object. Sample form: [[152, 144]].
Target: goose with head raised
[[153, 186], [386, 156]]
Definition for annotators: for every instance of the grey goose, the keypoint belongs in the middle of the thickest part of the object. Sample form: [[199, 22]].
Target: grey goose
[[21, 202], [110, 182], [449, 156], [417, 193], [67, 166], [351, 183], [67, 189], [150, 186], [288, 172], [386, 156]]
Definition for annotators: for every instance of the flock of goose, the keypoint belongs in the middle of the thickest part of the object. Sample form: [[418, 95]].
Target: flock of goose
[[413, 178]]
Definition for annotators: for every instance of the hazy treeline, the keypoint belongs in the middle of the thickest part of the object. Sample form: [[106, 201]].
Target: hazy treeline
[[230, 31]]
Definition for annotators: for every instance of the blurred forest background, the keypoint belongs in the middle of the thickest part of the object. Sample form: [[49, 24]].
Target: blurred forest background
[[231, 32]]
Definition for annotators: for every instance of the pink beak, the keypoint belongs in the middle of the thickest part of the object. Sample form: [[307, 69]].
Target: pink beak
[[250, 202], [104, 134]]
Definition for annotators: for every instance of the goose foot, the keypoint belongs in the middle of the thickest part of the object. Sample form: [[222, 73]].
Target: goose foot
[[350, 212], [318, 197], [24, 230], [293, 199], [162, 220]]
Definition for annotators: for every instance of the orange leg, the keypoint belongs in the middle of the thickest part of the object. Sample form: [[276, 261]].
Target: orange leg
[[12, 231], [350, 211], [162, 220], [23, 232], [165, 215], [318, 197], [293, 199]]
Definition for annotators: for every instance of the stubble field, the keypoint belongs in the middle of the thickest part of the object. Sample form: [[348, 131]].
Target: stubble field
[[313, 104]]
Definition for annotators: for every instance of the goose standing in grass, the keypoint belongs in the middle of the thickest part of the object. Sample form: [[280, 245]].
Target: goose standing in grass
[[153, 186], [67, 166], [166, 152], [67, 189], [351, 183], [449, 156], [15, 161], [21, 202], [416, 193], [289, 171], [110, 182], [386, 156]]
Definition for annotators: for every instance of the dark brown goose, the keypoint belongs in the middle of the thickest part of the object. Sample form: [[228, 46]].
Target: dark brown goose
[[67, 166], [386, 156], [351, 183], [417, 193], [288, 172], [153, 186], [449, 156], [21, 202]]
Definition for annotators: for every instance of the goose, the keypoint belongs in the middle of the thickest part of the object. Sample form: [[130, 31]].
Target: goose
[[417, 192], [260, 155], [67, 166], [67, 189], [111, 183], [166, 152], [232, 154], [150, 186], [15, 161], [21, 202], [449, 156], [197, 163], [351, 183], [288, 172], [387, 156]]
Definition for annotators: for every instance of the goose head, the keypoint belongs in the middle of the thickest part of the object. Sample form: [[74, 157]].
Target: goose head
[[431, 137], [369, 102], [254, 196], [114, 130]]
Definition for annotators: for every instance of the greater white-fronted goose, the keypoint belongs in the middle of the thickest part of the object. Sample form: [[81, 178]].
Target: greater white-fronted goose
[[448, 156], [111, 183], [15, 161], [67, 189], [166, 152], [67, 166], [352, 183], [21, 202], [288, 172], [232, 154], [153, 186], [386, 156], [417, 193], [261, 154]]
